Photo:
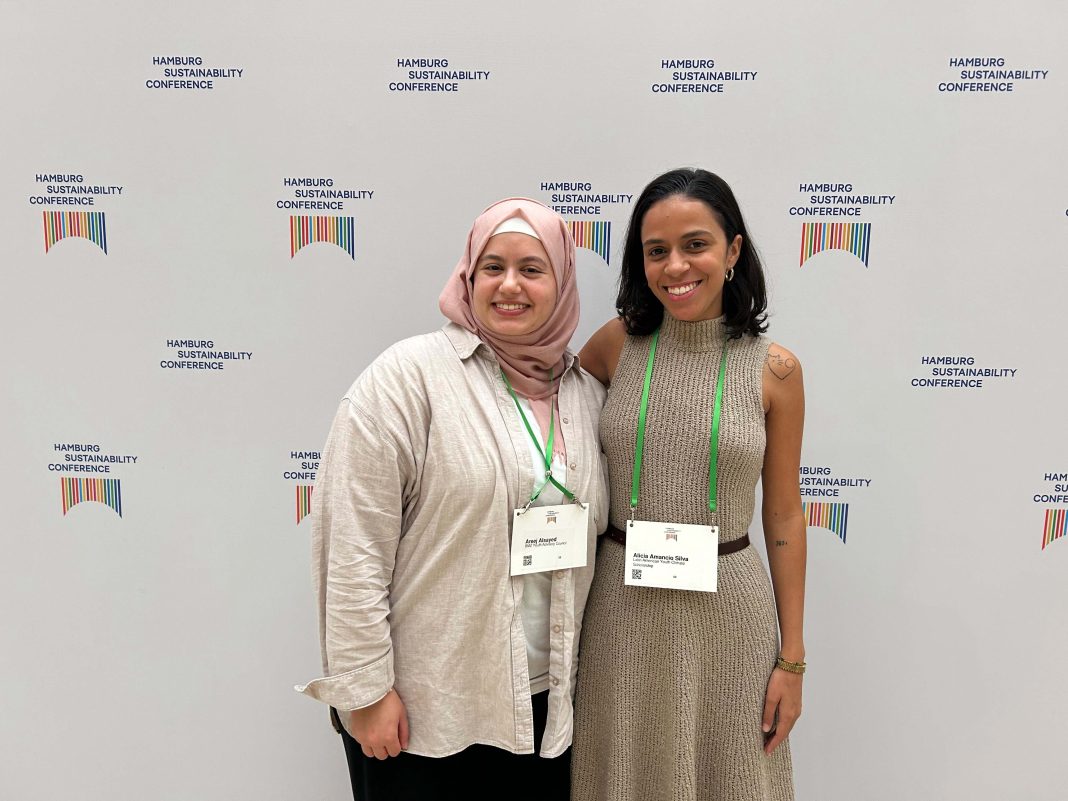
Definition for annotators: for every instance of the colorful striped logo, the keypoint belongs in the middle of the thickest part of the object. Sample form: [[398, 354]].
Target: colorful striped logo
[[851, 237], [340, 231], [595, 235], [831, 516], [87, 224], [1055, 527], [102, 490], [304, 493]]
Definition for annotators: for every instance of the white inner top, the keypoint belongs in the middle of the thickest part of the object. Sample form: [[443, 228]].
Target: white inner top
[[537, 586]]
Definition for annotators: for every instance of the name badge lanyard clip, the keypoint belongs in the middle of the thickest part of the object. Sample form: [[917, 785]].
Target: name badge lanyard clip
[[713, 443], [545, 454]]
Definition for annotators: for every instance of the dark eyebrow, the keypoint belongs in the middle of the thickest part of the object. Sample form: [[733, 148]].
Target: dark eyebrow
[[687, 235], [524, 260]]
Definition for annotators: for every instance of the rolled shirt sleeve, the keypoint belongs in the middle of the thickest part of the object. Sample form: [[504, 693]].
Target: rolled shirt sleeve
[[356, 526]]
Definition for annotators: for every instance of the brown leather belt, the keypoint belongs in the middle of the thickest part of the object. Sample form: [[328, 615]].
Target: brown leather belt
[[733, 546]]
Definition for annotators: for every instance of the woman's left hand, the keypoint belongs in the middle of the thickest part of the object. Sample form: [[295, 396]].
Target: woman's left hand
[[782, 708]]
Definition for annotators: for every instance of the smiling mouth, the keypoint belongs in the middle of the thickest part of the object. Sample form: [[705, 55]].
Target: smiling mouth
[[510, 307], [682, 289]]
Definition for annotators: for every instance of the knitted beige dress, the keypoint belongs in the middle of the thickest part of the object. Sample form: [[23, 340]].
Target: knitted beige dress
[[671, 682]]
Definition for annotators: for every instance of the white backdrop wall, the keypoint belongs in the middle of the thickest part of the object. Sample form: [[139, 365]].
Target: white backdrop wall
[[151, 641]]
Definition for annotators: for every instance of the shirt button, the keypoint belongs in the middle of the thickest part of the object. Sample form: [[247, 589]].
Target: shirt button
[[566, 420], [572, 466], [556, 682], [561, 573], [556, 629]]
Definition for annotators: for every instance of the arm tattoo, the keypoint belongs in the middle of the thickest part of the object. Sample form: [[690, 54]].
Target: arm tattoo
[[781, 367], [780, 543]]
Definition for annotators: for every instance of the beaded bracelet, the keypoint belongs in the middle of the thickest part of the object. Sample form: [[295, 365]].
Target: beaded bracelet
[[790, 667]]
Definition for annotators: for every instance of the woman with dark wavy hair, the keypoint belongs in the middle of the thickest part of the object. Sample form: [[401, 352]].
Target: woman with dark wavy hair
[[686, 692]]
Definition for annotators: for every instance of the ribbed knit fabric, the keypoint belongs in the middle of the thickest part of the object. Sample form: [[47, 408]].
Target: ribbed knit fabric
[[671, 683]]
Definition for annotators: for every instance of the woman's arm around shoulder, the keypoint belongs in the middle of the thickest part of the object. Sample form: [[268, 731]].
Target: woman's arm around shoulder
[[601, 354], [784, 532]]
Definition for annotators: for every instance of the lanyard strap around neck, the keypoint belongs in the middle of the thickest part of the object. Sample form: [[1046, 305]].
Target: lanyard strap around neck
[[547, 454], [713, 442]]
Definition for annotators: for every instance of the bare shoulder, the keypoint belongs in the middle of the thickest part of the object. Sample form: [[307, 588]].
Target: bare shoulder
[[601, 354], [782, 363], [783, 381]]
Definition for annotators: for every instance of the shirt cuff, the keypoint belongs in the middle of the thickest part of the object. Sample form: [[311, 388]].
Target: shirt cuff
[[354, 689]]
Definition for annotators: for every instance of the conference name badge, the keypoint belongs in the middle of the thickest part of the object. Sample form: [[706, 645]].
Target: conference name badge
[[549, 538], [675, 556]]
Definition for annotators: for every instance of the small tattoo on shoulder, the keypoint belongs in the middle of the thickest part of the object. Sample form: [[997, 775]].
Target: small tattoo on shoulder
[[780, 543], [781, 367]]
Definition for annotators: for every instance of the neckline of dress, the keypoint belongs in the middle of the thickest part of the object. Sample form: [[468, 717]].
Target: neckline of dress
[[693, 337]]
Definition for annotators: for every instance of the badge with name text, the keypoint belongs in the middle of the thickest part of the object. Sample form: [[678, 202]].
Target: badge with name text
[[549, 538], [675, 556]]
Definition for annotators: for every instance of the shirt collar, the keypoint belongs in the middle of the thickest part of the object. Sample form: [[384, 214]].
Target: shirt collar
[[467, 343]]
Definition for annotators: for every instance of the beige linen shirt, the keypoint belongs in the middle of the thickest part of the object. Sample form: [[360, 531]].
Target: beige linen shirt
[[412, 509]]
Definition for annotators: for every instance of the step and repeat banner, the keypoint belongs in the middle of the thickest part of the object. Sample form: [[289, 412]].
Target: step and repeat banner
[[215, 215]]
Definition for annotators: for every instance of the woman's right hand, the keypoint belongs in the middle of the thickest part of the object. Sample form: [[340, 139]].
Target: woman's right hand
[[381, 729]]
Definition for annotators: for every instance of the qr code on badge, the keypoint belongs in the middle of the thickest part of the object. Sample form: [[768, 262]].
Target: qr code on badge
[[528, 561], [636, 574]]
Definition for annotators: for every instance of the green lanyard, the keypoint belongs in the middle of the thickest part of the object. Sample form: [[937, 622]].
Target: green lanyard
[[713, 442], [547, 454]]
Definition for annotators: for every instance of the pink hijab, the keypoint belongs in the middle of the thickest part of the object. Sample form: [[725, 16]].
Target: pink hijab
[[530, 359]]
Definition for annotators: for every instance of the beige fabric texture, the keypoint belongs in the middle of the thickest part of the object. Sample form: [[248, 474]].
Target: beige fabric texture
[[671, 684], [411, 563]]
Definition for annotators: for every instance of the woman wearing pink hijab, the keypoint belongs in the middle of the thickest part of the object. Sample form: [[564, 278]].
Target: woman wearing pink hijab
[[455, 518]]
